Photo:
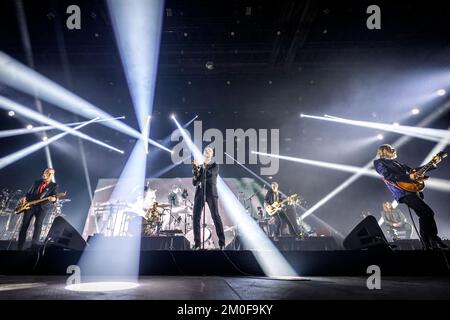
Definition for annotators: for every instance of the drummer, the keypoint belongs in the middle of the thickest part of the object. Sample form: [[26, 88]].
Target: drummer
[[145, 202]]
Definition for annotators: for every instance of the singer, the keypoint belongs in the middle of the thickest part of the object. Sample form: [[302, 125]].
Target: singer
[[205, 181]]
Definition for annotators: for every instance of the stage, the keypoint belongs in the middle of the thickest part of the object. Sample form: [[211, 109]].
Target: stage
[[55, 261], [233, 288], [207, 151]]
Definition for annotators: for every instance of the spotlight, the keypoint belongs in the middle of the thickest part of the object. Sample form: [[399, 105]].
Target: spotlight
[[421, 133], [29, 126], [270, 259], [36, 116], [441, 92], [16, 156], [45, 138], [415, 111], [301, 115], [21, 77], [11, 113], [139, 54], [101, 286], [172, 115], [380, 137]]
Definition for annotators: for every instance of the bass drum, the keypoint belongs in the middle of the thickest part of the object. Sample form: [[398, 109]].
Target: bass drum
[[208, 241]]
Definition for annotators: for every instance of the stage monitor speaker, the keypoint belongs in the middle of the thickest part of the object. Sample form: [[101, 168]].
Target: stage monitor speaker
[[366, 235], [63, 235]]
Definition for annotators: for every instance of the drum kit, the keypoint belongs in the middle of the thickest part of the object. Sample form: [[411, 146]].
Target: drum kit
[[159, 219]]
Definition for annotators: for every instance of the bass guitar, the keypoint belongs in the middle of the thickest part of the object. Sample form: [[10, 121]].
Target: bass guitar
[[23, 206]]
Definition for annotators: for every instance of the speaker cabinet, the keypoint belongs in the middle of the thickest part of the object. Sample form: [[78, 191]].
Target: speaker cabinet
[[366, 235], [63, 235]]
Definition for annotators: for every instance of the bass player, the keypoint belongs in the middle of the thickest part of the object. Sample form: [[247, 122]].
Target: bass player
[[41, 188]]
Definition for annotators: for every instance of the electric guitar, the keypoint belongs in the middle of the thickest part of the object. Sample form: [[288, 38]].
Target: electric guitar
[[418, 184], [23, 206], [276, 207]]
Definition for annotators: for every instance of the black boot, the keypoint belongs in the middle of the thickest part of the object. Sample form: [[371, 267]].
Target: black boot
[[440, 243]]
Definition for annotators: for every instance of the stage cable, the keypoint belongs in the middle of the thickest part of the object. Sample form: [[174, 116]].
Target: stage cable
[[180, 271], [235, 266]]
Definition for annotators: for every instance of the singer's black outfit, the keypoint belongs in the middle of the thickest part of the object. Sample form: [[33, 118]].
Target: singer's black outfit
[[207, 175], [37, 191], [286, 216]]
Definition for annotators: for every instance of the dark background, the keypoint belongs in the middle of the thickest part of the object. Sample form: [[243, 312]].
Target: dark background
[[285, 58]]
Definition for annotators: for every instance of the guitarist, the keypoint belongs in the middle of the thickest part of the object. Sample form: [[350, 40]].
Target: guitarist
[[286, 216], [41, 188], [393, 171]]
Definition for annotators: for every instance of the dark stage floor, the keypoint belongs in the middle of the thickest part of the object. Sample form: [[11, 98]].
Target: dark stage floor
[[233, 288]]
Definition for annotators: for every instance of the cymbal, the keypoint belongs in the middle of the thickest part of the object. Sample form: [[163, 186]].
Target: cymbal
[[163, 205]]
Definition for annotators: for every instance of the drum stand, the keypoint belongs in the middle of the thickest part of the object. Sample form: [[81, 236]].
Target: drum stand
[[16, 231], [185, 222]]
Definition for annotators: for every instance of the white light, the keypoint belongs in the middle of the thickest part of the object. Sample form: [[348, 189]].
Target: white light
[[16, 132], [421, 133], [11, 113], [36, 116], [441, 92], [267, 255], [137, 28], [301, 115], [101, 286], [45, 138], [396, 124], [21, 77], [172, 116], [29, 126], [380, 137], [415, 111], [16, 156]]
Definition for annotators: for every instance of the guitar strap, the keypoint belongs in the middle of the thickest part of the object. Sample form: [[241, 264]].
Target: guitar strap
[[391, 183]]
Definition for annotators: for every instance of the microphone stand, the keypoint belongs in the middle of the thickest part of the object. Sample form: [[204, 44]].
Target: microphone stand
[[204, 205]]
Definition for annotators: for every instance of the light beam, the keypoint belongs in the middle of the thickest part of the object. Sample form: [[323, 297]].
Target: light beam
[[22, 131], [421, 133], [22, 78], [269, 258], [16, 156], [36, 116], [137, 26]]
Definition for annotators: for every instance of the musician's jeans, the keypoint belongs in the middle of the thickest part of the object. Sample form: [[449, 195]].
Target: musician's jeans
[[213, 205], [285, 217], [428, 229], [39, 213]]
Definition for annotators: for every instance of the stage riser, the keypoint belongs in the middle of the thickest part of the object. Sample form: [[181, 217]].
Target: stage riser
[[306, 263]]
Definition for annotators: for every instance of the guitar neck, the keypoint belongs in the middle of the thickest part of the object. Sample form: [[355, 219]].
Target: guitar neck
[[425, 168], [39, 200]]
